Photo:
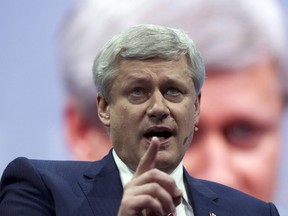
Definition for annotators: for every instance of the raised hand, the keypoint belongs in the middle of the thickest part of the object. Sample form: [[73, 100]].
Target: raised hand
[[151, 191]]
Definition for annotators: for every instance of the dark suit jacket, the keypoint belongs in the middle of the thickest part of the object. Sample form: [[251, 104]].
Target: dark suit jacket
[[36, 188]]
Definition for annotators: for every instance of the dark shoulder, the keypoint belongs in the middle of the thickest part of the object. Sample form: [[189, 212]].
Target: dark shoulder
[[226, 191], [53, 165], [58, 166], [22, 166], [235, 199], [42, 185]]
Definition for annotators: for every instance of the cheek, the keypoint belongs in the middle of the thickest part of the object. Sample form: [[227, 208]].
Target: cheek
[[118, 124], [125, 117], [188, 117], [264, 157], [259, 166], [185, 121]]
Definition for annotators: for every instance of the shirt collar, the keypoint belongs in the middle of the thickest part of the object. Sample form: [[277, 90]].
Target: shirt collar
[[126, 174]]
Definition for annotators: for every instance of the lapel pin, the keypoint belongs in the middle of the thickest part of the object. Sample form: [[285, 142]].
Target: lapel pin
[[212, 214]]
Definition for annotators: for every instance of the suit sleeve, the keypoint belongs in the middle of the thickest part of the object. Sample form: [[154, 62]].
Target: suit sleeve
[[273, 210], [22, 191]]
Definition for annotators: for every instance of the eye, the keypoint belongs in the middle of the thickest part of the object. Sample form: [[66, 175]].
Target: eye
[[138, 95], [173, 94], [244, 134], [173, 91], [137, 91]]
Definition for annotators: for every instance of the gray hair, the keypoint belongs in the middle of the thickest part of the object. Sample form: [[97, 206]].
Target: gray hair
[[229, 34], [143, 42]]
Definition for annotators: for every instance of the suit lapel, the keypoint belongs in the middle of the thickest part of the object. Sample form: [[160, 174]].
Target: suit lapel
[[102, 186], [103, 189], [203, 200]]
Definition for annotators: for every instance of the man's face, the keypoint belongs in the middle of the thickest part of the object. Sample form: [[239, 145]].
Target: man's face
[[151, 98], [238, 139]]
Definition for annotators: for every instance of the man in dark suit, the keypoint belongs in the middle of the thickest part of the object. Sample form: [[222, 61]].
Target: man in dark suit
[[149, 80]]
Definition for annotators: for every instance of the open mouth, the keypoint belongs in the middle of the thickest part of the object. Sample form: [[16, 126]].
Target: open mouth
[[161, 133]]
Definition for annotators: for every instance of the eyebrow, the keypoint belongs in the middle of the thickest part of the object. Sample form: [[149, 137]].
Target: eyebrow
[[136, 77]]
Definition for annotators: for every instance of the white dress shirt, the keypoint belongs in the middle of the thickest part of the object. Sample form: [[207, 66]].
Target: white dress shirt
[[184, 208]]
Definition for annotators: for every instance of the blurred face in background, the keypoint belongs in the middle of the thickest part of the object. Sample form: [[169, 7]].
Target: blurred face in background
[[238, 141]]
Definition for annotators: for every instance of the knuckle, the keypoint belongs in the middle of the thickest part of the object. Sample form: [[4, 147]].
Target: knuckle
[[154, 187], [153, 173], [171, 181]]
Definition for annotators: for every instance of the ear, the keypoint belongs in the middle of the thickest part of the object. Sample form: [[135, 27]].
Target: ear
[[103, 110], [197, 109], [86, 141], [77, 130]]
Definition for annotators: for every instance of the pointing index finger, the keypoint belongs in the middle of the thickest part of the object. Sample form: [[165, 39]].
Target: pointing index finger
[[147, 161]]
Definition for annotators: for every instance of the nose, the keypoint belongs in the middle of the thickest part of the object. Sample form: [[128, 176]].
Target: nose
[[158, 109]]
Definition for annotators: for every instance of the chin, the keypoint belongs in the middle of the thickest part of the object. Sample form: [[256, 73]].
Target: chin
[[164, 162]]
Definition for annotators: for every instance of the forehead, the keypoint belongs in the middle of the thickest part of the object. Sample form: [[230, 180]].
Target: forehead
[[175, 68], [252, 92]]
